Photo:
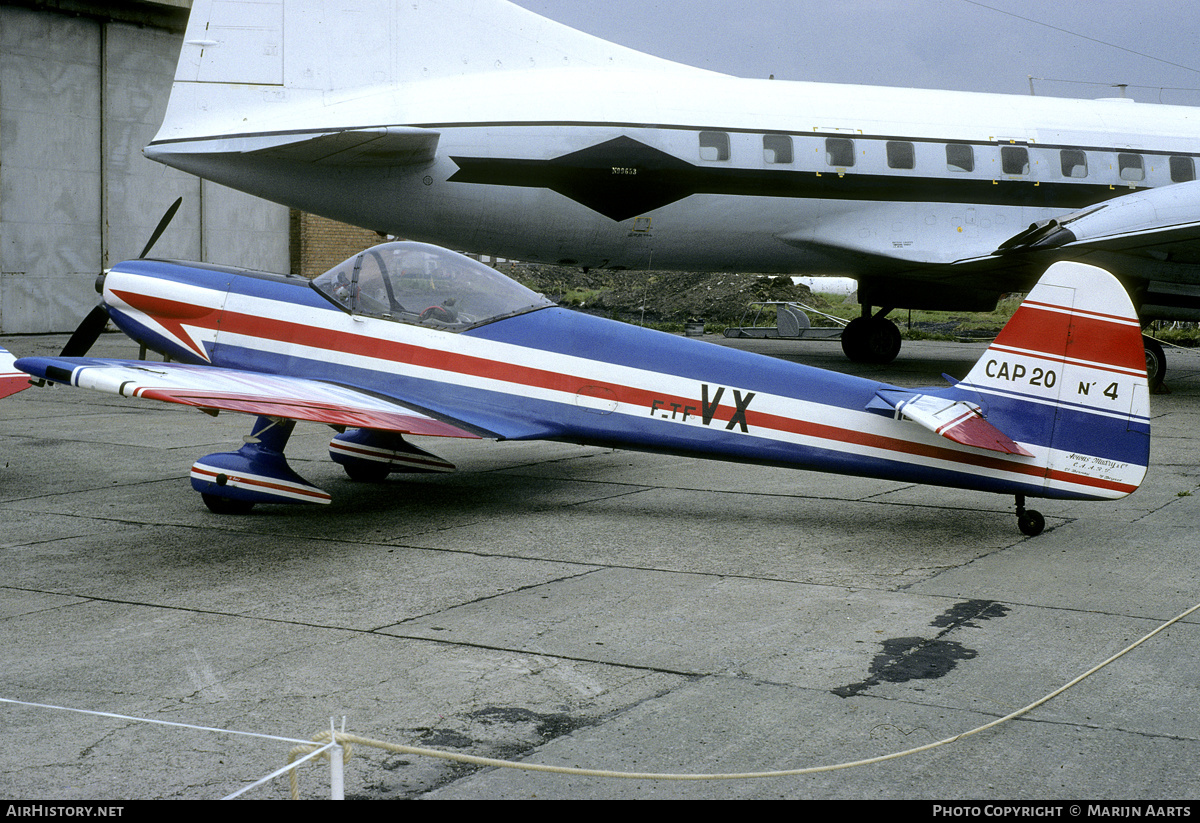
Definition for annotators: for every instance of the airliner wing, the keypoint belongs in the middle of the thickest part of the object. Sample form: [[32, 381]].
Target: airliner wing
[[214, 389], [1151, 235], [1150, 238], [1160, 218]]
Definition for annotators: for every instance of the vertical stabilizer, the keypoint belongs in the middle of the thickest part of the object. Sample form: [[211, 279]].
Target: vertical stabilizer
[[1066, 378], [242, 62]]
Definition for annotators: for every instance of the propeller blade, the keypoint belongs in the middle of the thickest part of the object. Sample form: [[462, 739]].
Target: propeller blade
[[86, 333], [90, 328], [162, 226]]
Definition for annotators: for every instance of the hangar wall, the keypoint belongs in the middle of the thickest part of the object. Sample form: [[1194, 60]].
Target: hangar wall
[[79, 98]]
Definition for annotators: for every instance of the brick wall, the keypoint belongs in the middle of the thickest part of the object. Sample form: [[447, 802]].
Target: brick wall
[[319, 244]]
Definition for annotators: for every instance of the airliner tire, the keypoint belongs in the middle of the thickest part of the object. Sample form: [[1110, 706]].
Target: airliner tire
[[1156, 363], [871, 340]]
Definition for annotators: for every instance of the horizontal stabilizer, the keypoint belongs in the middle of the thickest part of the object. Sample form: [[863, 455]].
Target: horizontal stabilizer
[[955, 420], [269, 395]]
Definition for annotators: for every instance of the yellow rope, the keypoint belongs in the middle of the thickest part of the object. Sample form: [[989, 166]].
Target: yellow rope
[[346, 739]]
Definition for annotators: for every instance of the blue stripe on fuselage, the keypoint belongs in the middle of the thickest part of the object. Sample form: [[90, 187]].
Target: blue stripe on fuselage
[[572, 333]]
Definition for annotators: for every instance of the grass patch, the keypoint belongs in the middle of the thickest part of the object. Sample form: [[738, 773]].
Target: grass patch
[[919, 324], [578, 297], [1185, 335]]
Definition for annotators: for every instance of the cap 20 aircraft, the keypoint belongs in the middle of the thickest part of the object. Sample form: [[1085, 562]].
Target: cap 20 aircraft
[[476, 124], [410, 339]]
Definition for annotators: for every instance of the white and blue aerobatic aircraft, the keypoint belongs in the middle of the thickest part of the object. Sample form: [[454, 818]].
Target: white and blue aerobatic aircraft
[[411, 339]]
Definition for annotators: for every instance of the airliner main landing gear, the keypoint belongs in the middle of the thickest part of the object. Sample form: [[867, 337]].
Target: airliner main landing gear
[[871, 338]]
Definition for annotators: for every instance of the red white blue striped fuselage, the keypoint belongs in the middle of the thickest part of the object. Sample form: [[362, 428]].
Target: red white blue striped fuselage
[[1064, 382]]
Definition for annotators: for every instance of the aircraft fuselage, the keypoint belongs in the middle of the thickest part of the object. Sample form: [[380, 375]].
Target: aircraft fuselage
[[551, 373], [601, 169]]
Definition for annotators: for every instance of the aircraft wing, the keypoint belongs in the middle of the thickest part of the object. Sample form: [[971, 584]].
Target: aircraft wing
[[1166, 218], [11, 380], [1149, 238], [1151, 235], [215, 389], [955, 420]]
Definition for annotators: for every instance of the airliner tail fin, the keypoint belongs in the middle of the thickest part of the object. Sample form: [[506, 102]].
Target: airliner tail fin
[[242, 64]]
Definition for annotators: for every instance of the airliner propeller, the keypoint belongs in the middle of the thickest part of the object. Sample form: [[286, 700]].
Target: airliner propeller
[[88, 331]]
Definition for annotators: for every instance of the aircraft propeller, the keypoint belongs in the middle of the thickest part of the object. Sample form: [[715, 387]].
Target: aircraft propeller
[[89, 330], [165, 221]]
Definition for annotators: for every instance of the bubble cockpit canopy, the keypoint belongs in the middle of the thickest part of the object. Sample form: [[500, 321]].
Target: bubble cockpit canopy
[[417, 283]]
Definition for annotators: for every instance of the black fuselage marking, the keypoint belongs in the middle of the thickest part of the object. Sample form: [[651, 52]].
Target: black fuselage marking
[[623, 178]]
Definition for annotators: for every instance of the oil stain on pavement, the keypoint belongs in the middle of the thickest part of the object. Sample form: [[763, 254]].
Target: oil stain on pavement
[[920, 658]]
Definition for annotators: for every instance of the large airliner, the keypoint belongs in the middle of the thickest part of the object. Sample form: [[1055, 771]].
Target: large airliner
[[482, 126]]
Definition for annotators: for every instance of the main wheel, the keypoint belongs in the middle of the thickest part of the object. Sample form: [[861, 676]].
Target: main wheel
[[366, 472], [853, 339], [871, 340], [223, 505]]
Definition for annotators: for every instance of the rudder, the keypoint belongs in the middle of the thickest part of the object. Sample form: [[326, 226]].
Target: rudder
[[1066, 378]]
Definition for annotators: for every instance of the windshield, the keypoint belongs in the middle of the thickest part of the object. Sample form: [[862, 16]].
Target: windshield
[[418, 283]]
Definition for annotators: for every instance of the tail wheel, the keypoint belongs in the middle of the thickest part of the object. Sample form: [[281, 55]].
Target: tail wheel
[[1031, 523]]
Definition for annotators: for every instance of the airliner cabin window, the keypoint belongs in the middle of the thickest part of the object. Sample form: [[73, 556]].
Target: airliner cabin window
[[839, 152], [960, 157], [1183, 169], [714, 145], [1074, 163], [777, 148], [1130, 168], [1014, 159], [900, 155]]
